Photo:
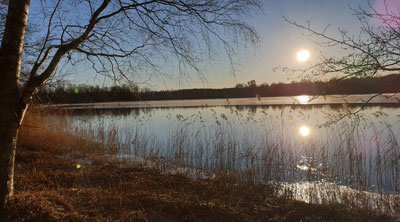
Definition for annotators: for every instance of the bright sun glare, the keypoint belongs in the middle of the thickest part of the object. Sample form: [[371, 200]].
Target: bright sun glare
[[303, 99], [304, 131], [303, 55]]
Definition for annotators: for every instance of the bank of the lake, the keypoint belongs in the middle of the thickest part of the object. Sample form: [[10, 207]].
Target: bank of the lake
[[334, 100], [61, 177]]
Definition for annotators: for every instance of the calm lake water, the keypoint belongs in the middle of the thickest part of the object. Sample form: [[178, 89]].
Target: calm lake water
[[290, 140]]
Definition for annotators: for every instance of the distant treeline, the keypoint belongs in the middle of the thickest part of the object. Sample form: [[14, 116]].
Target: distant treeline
[[87, 94]]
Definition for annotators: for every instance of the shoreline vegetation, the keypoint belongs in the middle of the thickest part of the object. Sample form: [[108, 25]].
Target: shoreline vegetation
[[63, 92], [63, 176]]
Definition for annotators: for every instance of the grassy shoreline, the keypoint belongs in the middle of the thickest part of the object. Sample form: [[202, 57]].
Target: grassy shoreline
[[50, 187]]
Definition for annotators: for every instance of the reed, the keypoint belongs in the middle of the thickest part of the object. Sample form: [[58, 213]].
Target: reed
[[342, 167]]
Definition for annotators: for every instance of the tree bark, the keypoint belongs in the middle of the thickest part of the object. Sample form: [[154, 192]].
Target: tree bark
[[11, 108]]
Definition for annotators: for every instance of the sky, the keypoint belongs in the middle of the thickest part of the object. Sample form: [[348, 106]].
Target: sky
[[279, 43]]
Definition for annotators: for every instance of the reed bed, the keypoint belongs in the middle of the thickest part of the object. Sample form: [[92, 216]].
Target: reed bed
[[344, 166]]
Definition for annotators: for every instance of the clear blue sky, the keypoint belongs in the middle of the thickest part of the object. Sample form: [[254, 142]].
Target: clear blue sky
[[279, 44]]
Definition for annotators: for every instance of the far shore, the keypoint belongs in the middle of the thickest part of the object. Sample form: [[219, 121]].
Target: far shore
[[359, 99]]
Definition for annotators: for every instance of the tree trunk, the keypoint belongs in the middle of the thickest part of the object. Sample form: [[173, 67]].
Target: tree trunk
[[12, 108], [10, 121]]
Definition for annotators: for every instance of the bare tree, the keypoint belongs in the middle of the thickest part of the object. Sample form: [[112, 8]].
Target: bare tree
[[375, 50], [116, 38]]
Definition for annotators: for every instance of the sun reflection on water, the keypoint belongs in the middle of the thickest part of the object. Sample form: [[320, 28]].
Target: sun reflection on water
[[304, 130], [303, 99]]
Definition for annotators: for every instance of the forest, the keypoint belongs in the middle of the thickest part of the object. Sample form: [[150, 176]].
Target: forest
[[69, 93]]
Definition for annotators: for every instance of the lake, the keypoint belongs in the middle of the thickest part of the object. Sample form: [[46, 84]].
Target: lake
[[343, 142]]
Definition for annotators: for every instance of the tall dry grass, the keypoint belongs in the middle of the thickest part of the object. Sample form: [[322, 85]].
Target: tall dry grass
[[342, 171]]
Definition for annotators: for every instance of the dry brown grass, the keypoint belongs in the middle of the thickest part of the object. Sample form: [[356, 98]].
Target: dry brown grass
[[49, 187]]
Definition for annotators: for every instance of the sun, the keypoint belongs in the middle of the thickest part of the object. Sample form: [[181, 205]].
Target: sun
[[303, 55], [304, 131]]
